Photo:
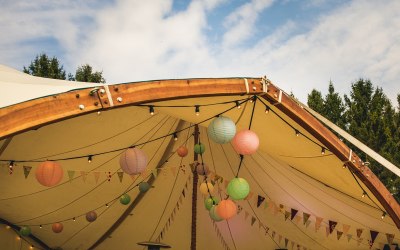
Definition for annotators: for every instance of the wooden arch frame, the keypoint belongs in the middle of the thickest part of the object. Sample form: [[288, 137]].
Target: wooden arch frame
[[33, 114]]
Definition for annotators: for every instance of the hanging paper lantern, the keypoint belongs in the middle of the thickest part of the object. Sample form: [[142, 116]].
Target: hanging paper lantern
[[221, 130], [182, 151], [57, 227], [91, 216], [213, 214], [246, 142], [226, 209], [49, 173], [199, 148], [25, 231], [202, 169], [211, 201], [238, 189], [133, 161], [204, 190], [144, 186], [125, 199]]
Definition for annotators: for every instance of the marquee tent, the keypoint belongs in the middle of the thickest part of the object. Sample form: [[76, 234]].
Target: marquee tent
[[308, 189]]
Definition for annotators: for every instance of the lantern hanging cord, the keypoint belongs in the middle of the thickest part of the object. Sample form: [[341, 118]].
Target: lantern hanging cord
[[297, 131], [132, 146], [254, 98], [240, 164]]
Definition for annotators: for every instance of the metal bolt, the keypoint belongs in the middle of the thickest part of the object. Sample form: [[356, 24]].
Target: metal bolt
[[254, 88], [116, 89], [102, 91], [119, 99], [77, 95], [81, 107], [96, 104]]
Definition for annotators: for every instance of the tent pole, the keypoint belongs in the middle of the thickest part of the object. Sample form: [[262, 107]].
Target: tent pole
[[194, 193]]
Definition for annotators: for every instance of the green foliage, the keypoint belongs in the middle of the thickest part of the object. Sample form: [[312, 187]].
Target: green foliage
[[43, 66], [85, 73], [368, 115]]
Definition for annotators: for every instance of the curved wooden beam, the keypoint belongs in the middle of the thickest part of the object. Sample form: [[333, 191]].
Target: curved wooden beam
[[36, 113]]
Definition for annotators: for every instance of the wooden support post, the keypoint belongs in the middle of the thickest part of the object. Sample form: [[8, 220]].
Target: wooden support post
[[194, 193]]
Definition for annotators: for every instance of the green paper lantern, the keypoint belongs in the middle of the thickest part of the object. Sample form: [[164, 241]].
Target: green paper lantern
[[199, 148], [125, 199], [213, 214], [209, 202], [144, 186], [25, 231], [238, 189], [221, 130]]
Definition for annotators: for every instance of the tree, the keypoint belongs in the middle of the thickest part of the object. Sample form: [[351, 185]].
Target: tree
[[43, 66], [85, 73], [368, 115]]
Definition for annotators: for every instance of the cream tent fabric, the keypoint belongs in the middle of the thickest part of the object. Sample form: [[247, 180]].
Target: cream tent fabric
[[288, 177]]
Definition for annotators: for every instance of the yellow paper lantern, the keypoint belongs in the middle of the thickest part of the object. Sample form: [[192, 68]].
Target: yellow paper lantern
[[203, 188]]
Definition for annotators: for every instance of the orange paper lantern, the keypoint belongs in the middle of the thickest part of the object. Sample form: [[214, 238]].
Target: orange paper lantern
[[49, 173], [226, 209], [57, 227], [133, 161], [182, 151], [245, 142]]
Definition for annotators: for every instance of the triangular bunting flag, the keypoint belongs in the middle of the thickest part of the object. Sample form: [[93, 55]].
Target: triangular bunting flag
[[260, 224], [260, 200], [246, 215], [273, 234], [96, 176], [279, 238], [292, 243], [266, 204], [349, 236], [253, 220], [287, 214], [318, 221], [83, 174], [308, 223], [240, 208], [183, 193], [359, 232], [154, 172], [293, 213], [332, 225], [71, 175], [374, 234], [346, 228], [226, 183], [390, 238], [27, 170], [286, 242], [120, 176], [339, 234], [297, 219], [306, 217], [276, 210], [281, 206]]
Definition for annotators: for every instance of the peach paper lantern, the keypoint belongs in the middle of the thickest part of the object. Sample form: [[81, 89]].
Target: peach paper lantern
[[182, 151], [57, 227], [245, 142], [91, 216], [202, 169], [226, 209], [133, 161], [49, 173]]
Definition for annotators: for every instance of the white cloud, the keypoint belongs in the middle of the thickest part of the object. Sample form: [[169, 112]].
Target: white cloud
[[140, 40]]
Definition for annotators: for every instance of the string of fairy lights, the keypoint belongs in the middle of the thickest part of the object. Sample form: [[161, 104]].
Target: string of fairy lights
[[223, 131]]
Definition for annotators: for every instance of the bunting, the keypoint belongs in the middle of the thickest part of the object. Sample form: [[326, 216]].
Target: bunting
[[154, 172], [346, 228], [120, 176], [83, 174], [332, 225], [27, 170], [318, 221], [349, 236], [96, 176], [359, 232], [390, 238], [306, 217], [253, 220], [293, 213], [339, 234], [374, 234], [260, 200], [287, 214], [286, 242], [70, 175]]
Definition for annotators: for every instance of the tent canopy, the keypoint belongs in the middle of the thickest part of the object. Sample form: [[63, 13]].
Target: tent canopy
[[299, 197]]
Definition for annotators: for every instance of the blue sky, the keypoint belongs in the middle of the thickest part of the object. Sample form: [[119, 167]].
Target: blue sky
[[299, 45]]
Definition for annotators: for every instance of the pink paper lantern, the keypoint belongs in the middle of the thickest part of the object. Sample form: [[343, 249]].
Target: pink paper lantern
[[226, 209], [182, 151], [245, 142], [57, 227], [202, 169], [133, 161], [49, 173]]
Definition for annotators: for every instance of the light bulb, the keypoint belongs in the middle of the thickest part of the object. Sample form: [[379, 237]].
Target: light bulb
[[297, 132], [90, 158], [237, 104], [175, 137], [197, 110], [323, 151], [151, 110], [383, 215]]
